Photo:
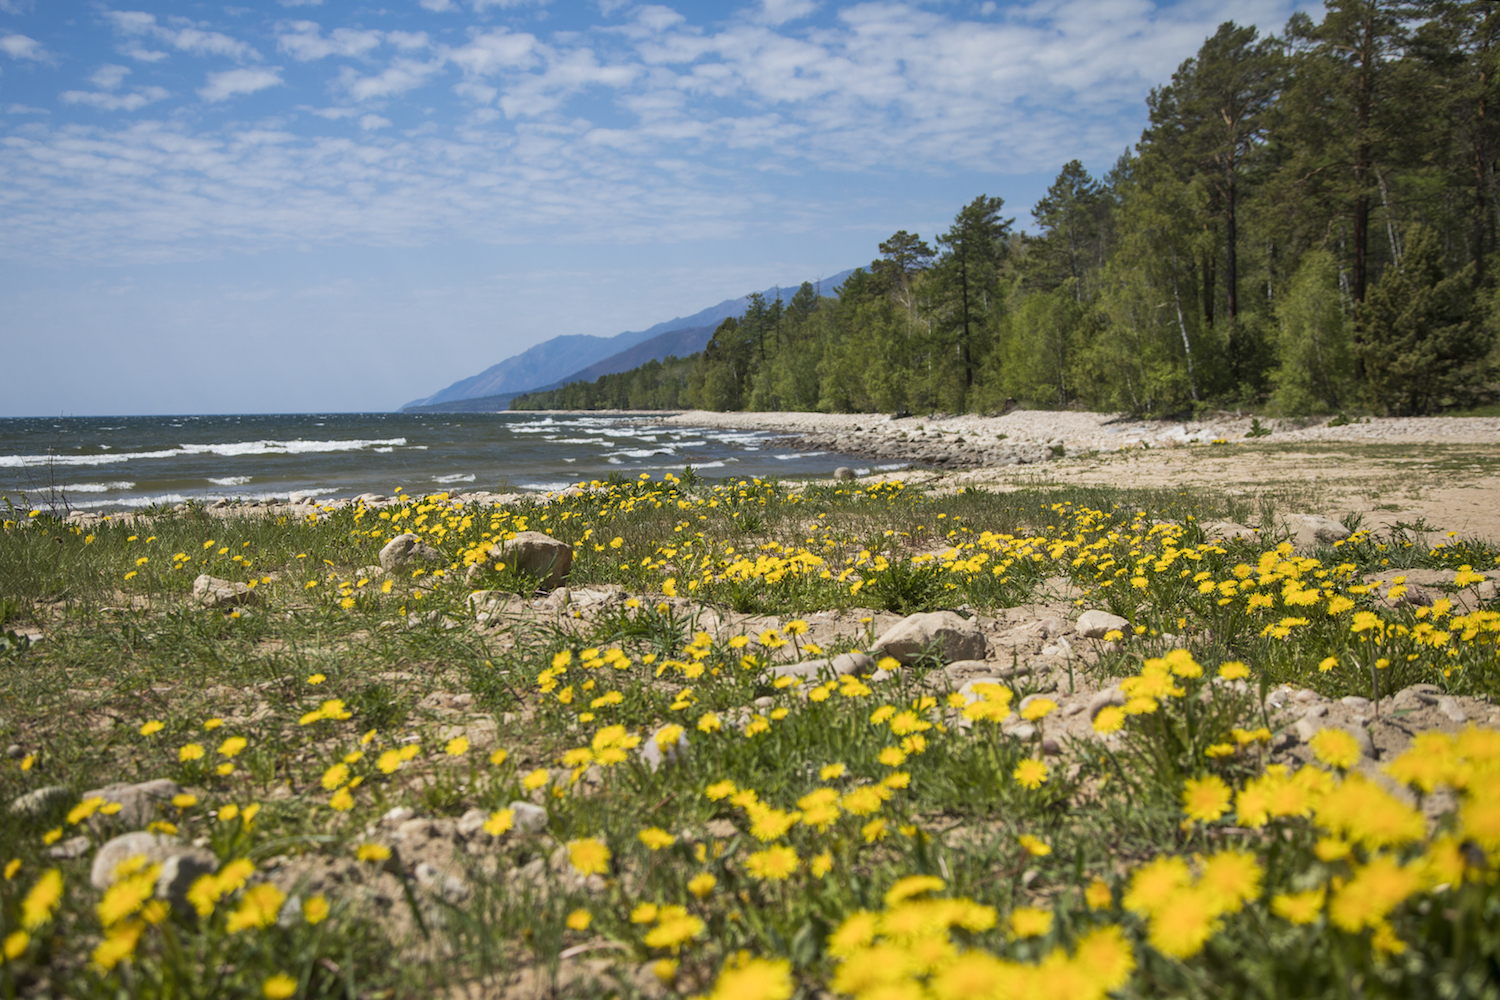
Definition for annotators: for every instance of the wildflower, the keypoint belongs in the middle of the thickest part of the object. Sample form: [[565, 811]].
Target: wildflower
[[702, 884], [259, 907], [892, 757], [1030, 773], [233, 746], [821, 864], [315, 909], [1098, 895], [1299, 907], [536, 779], [388, 762], [457, 747], [1107, 956], [192, 751], [862, 801], [774, 863], [278, 987], [1034, 845], [37, 907], [1154, 883], [1029, 921], [589, 856], [1376, 889], [1205, 799], [11, 868], [336, 776], [754, 979], [873, 831], [665, 970], [372, 852], [912, 885], [1233, 670], [1110, 719], [1230, 879], [15, 945], [316, 679], [1336, 748], [1038, 708], [152, 726], [579, 920], [674, 928], [656, 838], [720, 790], [831, 771], [1181, 928]]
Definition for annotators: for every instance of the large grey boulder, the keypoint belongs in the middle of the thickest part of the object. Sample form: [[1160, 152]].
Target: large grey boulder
[[137, 802], [1097, 624], [39, 801], [211, 592], [405, 549], [1228, 531], [951, 635], [538, 555]]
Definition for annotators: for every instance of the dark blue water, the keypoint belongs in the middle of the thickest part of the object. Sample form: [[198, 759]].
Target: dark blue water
[[122, 462]]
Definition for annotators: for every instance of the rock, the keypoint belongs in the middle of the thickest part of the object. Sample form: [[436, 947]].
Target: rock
[[73, 847], [1355, 702], [1228, 531], [181, 864], [39, 801], [471, 823], [1103, 699], [1051, 747], [952, 636], [137, 802], [655, 755], [1452, 710], [1315, 712], [1488, 590], [529, 818], [397, 816], [1096, 624], [1312, 530], [839, 666], [405, 549], [211, 592], [538, 555], [1023, 732], [558, 599], [15, 752], [1306, 728], [843, 472]]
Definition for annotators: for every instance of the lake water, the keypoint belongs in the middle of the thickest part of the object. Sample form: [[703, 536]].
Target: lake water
[[124, 462]]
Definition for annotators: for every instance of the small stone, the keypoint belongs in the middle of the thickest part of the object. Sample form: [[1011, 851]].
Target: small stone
[[1452, 710], [1097, 624], [843, 472], [951, 635], [1102, 700], [1051, 747], [528, 817], [1307, 728], [1316, 712], [1313, 530], [1228, 531], [537, 555], [1023, 732], [39, 800], [178, 873], [1355, 702], [655, 756], [839, 666], [14, 751], [397, 816], [471, 823], [407, 548], [137, 802], [73, 847], [211, 592], [1488, 590], [1071, 710]]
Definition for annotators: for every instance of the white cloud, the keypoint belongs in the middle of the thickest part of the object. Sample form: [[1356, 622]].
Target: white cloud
[[299, 3], [481, 5], [16, 6], [439, 6], [222, 86], [477, 92], [25, 109], [494, 51], [115, 102], [137, 51], [782, 11], [108, 77], [186, 38], [21, 47], [372, 122], [399, 77], [303, 41]]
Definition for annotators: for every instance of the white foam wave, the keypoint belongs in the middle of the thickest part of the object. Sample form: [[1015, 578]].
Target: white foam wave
[[96, 487], [457, 477], [226, 450], [639, 452], [549, 487], [230, 481], [799, 454]]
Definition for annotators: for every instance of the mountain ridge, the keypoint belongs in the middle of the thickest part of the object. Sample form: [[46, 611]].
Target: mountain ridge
[[570, 357]]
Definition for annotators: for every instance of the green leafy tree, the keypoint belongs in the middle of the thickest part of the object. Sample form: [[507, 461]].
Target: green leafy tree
[[1421, 346], [1315, 362]]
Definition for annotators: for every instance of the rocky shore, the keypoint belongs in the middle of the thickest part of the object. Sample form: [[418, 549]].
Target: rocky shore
[[1029, 436]]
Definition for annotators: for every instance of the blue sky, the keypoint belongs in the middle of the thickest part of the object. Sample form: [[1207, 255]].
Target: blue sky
[[313, 205]]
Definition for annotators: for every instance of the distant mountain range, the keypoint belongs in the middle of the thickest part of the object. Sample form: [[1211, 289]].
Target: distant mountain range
[[579, 357]]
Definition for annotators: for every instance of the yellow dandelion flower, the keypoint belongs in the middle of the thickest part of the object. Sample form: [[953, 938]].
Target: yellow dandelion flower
[[1336, 748], [1205, 799], [774, 863], [278, 987], [579, 920], [1029, 921], [589, 856], [1030, 773], [1034, 845], [655, 838], [702, 885]]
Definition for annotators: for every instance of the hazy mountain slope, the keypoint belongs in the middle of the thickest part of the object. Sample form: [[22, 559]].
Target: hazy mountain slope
[[568, 358], [678, 343]]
